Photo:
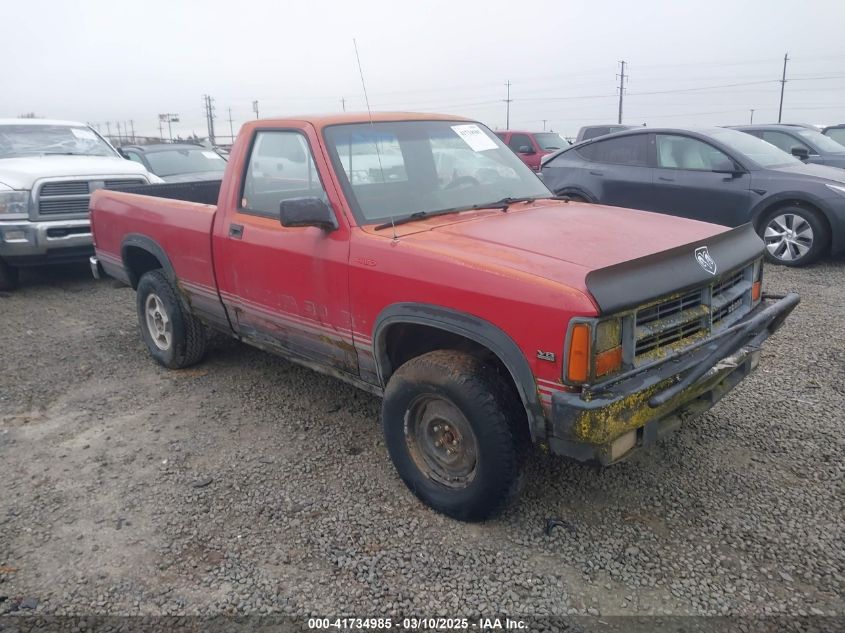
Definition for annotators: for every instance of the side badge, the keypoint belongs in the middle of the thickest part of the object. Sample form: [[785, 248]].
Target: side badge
[[702, 256], [549, 356]]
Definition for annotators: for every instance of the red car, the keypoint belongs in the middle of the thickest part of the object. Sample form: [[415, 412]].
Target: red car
[[488, 314], [532, 146]]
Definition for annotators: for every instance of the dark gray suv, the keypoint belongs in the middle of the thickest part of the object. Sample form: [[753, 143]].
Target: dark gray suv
[[716, 175], [808, 145]]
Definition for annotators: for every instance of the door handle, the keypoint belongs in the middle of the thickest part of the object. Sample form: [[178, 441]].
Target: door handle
[[664, 179], [236, 231], [596, 173]]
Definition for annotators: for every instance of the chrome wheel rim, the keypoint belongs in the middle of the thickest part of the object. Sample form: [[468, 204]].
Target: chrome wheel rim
[[441, 441], [158, 322], [788, 237]]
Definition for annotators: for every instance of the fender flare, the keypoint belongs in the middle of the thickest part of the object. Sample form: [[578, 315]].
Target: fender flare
[[136, 240], [473, 328], [578, 191]]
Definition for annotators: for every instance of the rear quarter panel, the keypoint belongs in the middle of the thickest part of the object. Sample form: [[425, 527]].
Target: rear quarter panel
[[181, 229]]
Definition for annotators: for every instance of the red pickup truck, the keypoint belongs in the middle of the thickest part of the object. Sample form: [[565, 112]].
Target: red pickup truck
[[417, 257]]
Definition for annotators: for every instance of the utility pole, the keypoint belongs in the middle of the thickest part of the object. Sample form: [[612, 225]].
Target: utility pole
[[508, 110], [751, 122], [119, 138], [544, 125], [231, 130], [255, 108], [209, 117], [160, 130], [621, 89], [169, 118], [132, 125], [782, 85], [343, 103], [108, 130]]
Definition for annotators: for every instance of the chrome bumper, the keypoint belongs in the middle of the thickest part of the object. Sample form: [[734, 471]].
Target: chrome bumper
[[96, 270], [29, 240]]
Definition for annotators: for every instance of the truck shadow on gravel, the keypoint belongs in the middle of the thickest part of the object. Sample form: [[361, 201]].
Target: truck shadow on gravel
[[73, 277]]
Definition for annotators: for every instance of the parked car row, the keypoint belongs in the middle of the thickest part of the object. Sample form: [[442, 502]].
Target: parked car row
[[720, 175]]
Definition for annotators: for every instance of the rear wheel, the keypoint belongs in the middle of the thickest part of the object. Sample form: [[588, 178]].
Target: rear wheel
[[174, 336], [794, 236], [453, 434], [9, 277]]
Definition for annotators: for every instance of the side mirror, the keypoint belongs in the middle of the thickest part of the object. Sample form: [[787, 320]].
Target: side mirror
[[525, 149], [306, 212], [123, 154], [727, 166], [800, 152]]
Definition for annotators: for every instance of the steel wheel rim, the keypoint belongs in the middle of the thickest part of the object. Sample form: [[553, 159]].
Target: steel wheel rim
[[441, 441], [788, 237], [158, 322]]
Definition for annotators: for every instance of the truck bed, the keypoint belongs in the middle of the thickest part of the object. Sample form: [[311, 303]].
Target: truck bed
[[203, 192], [174, 224]]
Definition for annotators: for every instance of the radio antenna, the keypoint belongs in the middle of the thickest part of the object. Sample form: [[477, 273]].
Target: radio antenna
[[372, 126]]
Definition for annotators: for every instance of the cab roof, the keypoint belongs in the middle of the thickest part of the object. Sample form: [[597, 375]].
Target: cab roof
[[325, 120]]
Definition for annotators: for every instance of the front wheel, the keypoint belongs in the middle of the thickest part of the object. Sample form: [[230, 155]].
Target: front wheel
[[174, 336], [453, 434], [8, 276], [794, 236]]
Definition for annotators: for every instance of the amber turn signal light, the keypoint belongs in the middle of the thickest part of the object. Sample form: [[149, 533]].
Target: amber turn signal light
[[755, 291], [609, 361], [578, 361]]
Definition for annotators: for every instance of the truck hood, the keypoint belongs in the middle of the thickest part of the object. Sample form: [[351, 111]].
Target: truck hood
[[591, 247], [24, 171]]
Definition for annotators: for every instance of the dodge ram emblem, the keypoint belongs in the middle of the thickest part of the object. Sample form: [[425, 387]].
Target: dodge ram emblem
[[704, 260]]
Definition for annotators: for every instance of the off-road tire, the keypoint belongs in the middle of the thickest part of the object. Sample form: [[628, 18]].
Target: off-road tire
[[498, 423], [9, 277], [188, 338], [820, 232]]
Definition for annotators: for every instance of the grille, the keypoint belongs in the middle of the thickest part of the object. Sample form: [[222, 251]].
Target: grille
[[677, 321], [71, 205], [66, 197], [65, 188], [128, 182]]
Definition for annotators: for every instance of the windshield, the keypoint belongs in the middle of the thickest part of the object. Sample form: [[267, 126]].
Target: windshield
[[822, 142], [393, 169], [837, 134], [170, 162], [763, 153], [551, 141], [36, 140]]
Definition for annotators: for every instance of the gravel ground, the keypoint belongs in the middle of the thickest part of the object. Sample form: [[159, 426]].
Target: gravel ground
[[250, 485]]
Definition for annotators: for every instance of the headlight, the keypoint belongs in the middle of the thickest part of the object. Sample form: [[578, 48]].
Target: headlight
[[840, 189], [594, 349], [14, 202]]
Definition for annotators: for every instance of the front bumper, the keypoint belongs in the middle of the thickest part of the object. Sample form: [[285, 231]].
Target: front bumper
[[608, 421], [23, 242]]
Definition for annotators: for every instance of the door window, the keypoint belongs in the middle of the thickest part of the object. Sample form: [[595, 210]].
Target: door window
[[784, 141], [625, 150], [520, 142], [280, 167], [683, 152]]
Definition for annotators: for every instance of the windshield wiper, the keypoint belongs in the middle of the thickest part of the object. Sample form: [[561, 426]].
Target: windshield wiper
[[502, 204], [420, 215]]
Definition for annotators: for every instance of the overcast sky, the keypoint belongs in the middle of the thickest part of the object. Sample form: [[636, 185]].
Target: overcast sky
[[690, 62]]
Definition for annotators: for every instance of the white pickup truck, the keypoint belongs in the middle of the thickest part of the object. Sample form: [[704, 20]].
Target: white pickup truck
[[48, 170]]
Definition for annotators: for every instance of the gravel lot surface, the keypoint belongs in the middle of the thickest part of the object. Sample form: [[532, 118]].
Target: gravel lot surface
[[250, 485]]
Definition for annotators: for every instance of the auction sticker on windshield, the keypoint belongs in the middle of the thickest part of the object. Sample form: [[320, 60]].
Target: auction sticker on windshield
[[474, 137], [212, 155]]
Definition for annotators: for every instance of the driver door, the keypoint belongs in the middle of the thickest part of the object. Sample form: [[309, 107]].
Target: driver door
[[286, 288]]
